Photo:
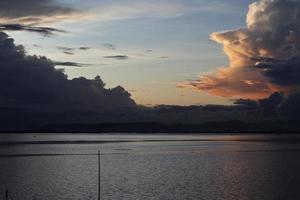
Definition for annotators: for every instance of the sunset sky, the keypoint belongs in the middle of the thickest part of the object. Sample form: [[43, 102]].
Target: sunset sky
[[151, 48], [159, 61]]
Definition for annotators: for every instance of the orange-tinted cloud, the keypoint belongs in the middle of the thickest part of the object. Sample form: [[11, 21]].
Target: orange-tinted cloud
[[232, 82], [272, 32]]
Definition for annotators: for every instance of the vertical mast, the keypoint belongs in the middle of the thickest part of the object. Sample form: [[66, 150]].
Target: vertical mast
[[99, 174]]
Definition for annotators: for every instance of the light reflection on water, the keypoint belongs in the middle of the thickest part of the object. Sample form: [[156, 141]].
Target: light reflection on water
[[175, 170]]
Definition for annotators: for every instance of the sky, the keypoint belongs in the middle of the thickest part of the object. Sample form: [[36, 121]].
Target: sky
[[148, 47], [175, 62]]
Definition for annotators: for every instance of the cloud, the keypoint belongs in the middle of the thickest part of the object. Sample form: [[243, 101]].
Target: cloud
[[270, 104], [109, 46], [31, 86], [246, 102], [118, 57], [72, 50], [255, 113], [285, 73], [275, 106], [84, 48], [68, 53], [272, 33], [291, 107], [33, 15], [33, 11], [46, 31], [69, 64], [67, 50], [232, 83]]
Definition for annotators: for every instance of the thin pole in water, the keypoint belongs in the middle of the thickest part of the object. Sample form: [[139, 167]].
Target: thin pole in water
[[6, 195], [99, 174]]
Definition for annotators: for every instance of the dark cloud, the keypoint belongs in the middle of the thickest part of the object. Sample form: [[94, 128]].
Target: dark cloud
[[291, 106], [273, 108], [69, 53], [84, 48], [33, 92], [281, 72], [46, 31], [118, 57], [72, 50], [33, 11], [271, 104], [246, 102], [171, 114], [109, 46], [66, 48], [29, 15], [69, 64]]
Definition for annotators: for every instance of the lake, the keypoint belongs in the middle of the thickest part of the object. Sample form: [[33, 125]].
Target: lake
[[156, 167]]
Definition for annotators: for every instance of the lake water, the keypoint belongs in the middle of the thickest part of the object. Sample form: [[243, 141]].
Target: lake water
[[156, 167]]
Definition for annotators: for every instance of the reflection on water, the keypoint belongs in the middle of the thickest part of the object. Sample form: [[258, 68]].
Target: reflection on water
[[175, 170]]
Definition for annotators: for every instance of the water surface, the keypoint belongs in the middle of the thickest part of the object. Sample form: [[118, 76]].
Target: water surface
[[168, 167]]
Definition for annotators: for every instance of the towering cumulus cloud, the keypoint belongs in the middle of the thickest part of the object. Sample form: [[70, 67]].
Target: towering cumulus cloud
[[264, 56], [33, 91]]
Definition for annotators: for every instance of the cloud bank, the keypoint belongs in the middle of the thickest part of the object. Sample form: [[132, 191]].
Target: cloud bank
[[31, 86], [31, 12], [264, 57], [33, 15], [35, 95]]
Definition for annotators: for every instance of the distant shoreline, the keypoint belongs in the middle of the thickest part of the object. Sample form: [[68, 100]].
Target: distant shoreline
[[219, 127], [105, 141]]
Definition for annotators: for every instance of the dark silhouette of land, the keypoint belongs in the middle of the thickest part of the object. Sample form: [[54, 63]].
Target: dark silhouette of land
[[278, 127]]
